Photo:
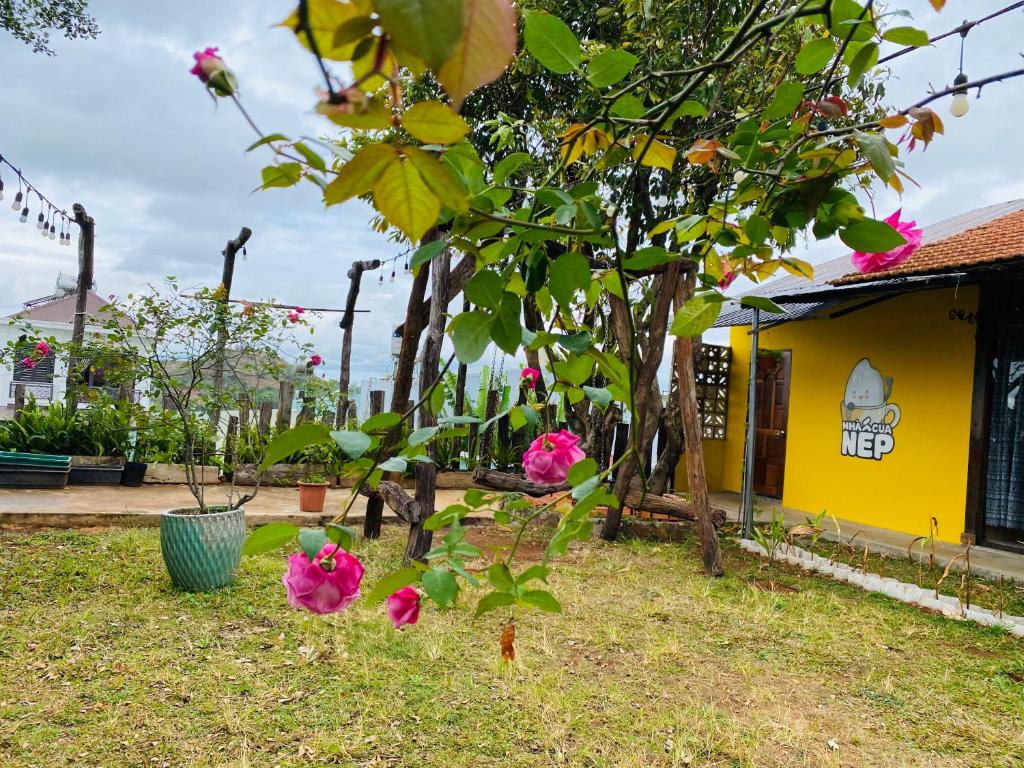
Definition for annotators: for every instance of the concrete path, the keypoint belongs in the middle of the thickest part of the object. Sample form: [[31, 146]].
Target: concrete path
[[84, 506], [985, 562]]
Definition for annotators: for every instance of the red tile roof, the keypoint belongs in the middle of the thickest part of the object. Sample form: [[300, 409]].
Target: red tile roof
[[996, 241], [62, 310]]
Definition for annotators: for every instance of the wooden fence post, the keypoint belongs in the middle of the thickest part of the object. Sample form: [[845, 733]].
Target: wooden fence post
[[19, 398], [266, 410], [285, 395]]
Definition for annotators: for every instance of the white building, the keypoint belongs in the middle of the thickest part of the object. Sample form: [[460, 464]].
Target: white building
[[44, 317]]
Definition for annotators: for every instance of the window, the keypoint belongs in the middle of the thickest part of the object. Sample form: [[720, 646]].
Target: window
[[712, 379]]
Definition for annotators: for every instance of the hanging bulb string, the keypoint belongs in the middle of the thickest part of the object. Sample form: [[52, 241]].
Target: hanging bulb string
[[25, 190]]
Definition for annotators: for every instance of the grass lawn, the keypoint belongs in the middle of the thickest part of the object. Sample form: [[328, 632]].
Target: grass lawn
[[102, 663]]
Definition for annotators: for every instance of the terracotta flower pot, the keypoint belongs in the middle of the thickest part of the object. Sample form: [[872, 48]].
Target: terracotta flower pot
[[312, 496]]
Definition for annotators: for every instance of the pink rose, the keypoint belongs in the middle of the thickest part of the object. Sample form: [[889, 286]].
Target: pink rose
[[404, 607], [327, 585], [729, 275], [43, 348], [28, 362], [549, 457], [208, 64], [315, 360], [530, 377], [878, 262]]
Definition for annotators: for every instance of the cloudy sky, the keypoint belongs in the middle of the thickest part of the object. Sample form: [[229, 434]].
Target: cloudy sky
[[118, 124]]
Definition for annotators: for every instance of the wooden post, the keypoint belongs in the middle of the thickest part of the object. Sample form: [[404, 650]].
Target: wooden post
[[352, 415], [374, 504], [487, 436], [420, 539], [376, 401], [285, 395], [710, 551], [224, 297], [355, 275], [229, 441], [19, 398], [266, 411], [243, 411], [460, 377], [86, 254]]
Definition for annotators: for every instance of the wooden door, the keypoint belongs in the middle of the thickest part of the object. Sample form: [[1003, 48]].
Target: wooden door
[[772, 395]]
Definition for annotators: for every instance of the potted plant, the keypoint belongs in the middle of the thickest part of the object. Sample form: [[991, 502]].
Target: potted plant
[[313, 492], [203, 359]]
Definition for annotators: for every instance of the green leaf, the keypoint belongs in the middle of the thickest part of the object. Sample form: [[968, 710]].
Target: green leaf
[[394, 464], [382, 422], [864, 57], [354, 444], [757, 228], [628, 106], [293, 440], [485, 289], [688, 108], [471, 333], [786, 99], [538, 598], [871, 236], [581, 471], [442, 182], [509, 165], [532, 573], [341, 535], [312, 540], [493, 600], [876, 149], [598, 395], [609, 67], [500, 577], [422, 435], [266, 140], [648, 257], [428, 29], [405, 201], [268, 537], [762, 303], [815, 56], [578, 342], [314, 160], [570, 272], [551, 42], [426, 253], [434, 123], [906, 36], [441, 587], [486, 47], [391, 583], [695, 316], [507, 330], [283, 175], [358, 175]]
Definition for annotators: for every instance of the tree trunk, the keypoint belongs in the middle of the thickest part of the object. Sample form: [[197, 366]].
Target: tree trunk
[[227, 275], [672, 451], [711, 553], [355, 275], [86, 251], [285, 395]]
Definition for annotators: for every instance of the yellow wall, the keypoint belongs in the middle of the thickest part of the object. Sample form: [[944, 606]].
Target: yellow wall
[[930, 358]]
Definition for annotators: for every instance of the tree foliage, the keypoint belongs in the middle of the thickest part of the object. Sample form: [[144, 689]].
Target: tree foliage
[[32, 21]]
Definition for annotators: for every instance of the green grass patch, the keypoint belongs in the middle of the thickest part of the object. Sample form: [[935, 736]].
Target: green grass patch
[[103, 663]]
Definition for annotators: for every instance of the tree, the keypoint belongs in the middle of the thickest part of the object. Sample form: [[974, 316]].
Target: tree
[[602, 191], [31, 21]]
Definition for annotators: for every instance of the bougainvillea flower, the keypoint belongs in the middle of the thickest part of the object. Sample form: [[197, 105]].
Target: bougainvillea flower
[[404, 607], [28, 362], [550, 456], [327, 585], [529, 377], [315, 360], [877, 262], [43, 348], [729, 275], [247, 308], [293, 317]]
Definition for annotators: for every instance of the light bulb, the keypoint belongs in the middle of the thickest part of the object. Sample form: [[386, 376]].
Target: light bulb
[[16, 205], [40, 221], [960, 105], [1, 189], [53, 232], [24, 215], [44, 231]]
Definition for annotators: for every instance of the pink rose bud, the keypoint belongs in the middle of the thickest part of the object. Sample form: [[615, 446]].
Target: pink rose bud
[[315, 360], [327, 585], [879, 262], [211, 70], [550, 456], [404, 607], [529, 377], [43, 348]]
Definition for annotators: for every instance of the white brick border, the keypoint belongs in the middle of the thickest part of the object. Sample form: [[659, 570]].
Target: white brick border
[[872, 582]]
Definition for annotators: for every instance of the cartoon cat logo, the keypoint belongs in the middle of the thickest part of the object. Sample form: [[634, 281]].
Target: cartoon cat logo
[[868, 416]]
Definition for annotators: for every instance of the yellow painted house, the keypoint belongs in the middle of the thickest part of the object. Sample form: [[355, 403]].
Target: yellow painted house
[[892, 398]]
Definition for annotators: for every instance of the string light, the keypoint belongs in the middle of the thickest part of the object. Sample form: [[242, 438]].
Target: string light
[[960, 105], [46, 220]]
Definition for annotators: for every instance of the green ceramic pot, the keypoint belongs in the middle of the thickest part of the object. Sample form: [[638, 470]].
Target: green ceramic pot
[[202, 552]]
